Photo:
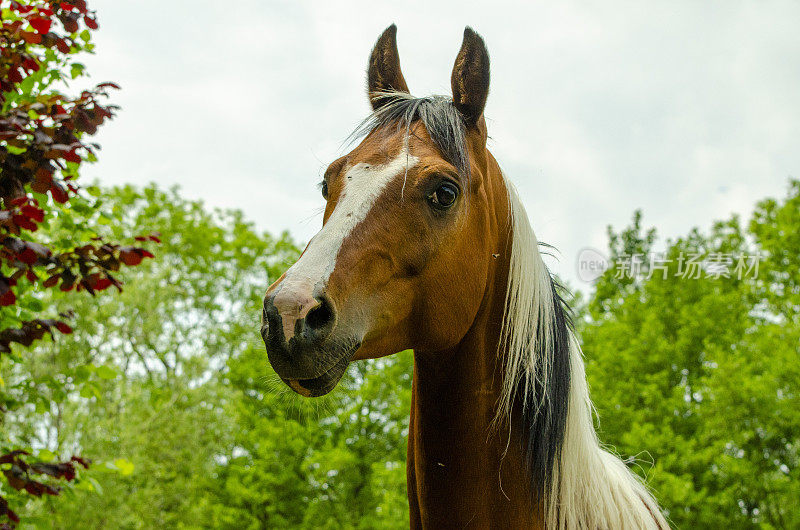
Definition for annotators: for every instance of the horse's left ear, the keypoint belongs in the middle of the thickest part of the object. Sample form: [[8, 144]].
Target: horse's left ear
[[470, 79]]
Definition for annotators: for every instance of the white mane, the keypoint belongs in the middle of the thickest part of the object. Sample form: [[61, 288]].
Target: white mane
[[591, 488]]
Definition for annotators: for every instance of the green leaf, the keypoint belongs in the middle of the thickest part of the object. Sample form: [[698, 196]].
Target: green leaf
[[46, 455], [95, 484], [76, 70], [106, 372], [15, 150], [125, 466], [90, 390], [33, 304]]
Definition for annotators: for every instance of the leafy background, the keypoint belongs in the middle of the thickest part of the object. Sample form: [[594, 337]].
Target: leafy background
[[700, 374]]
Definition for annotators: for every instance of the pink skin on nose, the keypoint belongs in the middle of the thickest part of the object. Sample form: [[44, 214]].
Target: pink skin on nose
[[293, 306]]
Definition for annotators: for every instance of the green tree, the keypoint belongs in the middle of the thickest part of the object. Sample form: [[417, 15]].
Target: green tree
[[155, 412], [703, 371]]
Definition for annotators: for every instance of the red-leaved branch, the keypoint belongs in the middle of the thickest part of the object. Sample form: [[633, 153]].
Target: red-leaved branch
[[43, 143]]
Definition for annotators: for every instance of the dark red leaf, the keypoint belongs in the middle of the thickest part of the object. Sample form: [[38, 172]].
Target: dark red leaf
[[27, 256], [63, 328], [43, 175], [62, 46], [58, 192], [8, 298], [41, 24], [36, 489], [30, 64], [72, 156], [37, 214], [13, 75], [40, 187], [130, 257], [23, 222], [90, 22], [70, 23]]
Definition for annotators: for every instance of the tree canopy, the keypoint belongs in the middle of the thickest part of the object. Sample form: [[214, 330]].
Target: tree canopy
[[701, 367]]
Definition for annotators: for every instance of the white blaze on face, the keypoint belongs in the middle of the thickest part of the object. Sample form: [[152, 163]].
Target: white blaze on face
[[363, 184]]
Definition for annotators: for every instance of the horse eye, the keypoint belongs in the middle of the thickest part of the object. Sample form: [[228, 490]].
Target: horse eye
[[324, 187], [444, 196]]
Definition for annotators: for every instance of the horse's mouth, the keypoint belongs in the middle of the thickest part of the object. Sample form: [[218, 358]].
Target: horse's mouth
[[322, 384]]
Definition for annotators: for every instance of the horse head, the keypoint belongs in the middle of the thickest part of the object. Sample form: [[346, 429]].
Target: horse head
[[403, 256]]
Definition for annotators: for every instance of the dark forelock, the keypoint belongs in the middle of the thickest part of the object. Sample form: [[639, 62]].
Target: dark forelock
[[438, 115]]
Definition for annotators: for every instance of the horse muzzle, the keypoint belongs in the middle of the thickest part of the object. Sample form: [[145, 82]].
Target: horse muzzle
[[298, 329]]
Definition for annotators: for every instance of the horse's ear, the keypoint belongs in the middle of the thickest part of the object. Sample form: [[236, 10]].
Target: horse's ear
[[383, 71], [470, 79]]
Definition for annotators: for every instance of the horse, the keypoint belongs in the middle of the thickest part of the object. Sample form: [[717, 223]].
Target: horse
[[425, 245]]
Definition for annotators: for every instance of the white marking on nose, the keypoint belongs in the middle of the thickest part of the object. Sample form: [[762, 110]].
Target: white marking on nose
[[293, 306], [363, 184]]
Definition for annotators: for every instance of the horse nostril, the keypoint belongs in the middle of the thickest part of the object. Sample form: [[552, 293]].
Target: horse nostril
[[296, 320], [321, 317]]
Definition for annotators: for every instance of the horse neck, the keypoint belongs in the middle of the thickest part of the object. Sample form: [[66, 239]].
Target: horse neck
[[462, 468]]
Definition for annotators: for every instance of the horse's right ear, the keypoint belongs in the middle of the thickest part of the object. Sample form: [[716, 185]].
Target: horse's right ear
[[383, 72], [470, 78]]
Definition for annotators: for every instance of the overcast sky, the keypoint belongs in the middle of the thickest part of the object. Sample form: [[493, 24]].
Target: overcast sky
[[689, 111]]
